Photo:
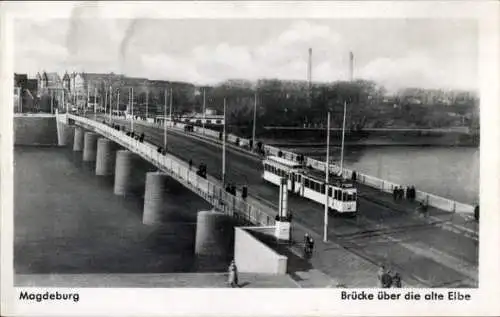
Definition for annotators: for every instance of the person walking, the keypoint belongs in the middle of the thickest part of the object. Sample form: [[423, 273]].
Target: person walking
[[306, 244], [385, 278], [395, 193], [233, 275], [396, 280]]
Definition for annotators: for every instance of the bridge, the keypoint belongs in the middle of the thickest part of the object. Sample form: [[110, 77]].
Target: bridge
[[437, 251]]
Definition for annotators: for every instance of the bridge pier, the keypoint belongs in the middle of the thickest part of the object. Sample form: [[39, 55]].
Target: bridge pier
[[70, 134], [78, 140], [154, 197], [61, 133], [214, 233], [105, 160], [90, 146], [124, 172]]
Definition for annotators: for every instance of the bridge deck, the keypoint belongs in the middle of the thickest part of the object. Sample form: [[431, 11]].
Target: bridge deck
[[430, 252]]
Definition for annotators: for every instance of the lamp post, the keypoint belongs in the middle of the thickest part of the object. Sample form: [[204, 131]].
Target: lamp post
[[224, 147], [118, 103], [147, 97], [88, 98], [204, 111], [342, 148], [105, 99], [171, 102], [327, 172], [254, 120], [165, 121], [110, 102], [95, 103], [132, 100]]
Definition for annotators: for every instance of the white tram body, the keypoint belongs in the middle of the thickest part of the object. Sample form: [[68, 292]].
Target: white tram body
[[311, 184]]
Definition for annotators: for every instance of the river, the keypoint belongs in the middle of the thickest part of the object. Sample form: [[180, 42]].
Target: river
[[67, 220], [450, 172]]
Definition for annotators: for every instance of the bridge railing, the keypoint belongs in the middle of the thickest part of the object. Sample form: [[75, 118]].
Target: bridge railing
[[180, 171]]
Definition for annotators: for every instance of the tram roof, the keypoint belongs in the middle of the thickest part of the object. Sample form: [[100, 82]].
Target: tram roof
[[333, 179], [284, 161]]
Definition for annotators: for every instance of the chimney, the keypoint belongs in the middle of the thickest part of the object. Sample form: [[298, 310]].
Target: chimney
[[309, 69], [351, 66]]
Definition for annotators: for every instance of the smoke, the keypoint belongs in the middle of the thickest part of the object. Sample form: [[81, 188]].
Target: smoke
[[127, 37]]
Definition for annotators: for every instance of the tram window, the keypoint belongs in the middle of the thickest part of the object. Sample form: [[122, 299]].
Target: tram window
[[330, 192], [354, 197], [299, 178], [344, 196], [337, 194], [306, 182], [317, 186], [322, 188]]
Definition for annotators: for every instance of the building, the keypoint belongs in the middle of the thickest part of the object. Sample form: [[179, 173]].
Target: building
[[48, 83]]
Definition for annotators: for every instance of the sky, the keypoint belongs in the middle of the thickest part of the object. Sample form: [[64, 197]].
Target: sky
[[397, 53]]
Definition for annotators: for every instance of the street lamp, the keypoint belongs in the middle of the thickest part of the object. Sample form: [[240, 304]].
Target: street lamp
[[165, 121], [224, 147], [110, 102], [342, 148], [147, 97], [204, 111], [118, 103], [327, 172], [131, 97], [254, 120]]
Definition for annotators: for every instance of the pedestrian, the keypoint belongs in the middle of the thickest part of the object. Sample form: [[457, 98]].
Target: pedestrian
[[407, 192], [385, 278], [395, 193], [311, 245], [413, 193], [233, 275], [476, 212], [396, 280], [306, 243], [380, 273], [353, 177]]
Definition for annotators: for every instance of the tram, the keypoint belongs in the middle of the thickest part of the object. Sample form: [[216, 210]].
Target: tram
[[310, 184]]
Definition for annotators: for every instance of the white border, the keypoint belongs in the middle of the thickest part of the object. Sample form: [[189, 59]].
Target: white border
[[216, 302]]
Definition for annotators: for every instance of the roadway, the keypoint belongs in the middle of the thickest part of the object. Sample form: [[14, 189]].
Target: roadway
[[383, 232]]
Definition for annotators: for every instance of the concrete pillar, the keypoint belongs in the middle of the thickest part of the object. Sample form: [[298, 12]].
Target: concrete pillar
[[78, 140], [105, 161], [70, 134], [90, 146], [123, 172], [154, 197], [214, 233], [61, 133]]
